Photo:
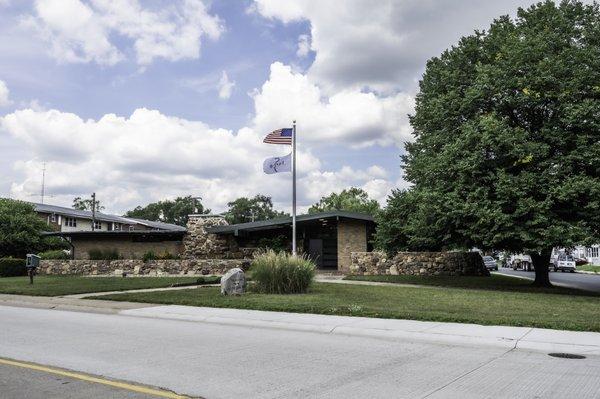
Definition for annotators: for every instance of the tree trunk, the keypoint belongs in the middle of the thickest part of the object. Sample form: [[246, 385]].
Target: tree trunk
[[541, 262]]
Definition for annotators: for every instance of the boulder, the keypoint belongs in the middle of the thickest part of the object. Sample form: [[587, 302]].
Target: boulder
[[233, 282]]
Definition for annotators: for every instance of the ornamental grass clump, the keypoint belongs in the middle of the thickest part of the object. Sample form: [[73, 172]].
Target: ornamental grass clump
[[281, 273]]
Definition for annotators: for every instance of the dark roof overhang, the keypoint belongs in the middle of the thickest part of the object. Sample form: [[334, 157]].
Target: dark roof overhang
[[287, 221], [137, 234]]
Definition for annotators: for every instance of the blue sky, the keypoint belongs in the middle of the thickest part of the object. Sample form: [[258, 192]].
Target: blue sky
[[348, 71]]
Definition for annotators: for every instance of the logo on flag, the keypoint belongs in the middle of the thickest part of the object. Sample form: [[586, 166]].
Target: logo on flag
[[279, 136], [278, 164]]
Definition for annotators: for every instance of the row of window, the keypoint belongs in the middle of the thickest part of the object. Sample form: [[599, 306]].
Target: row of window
[[593, 252], [72, 222]]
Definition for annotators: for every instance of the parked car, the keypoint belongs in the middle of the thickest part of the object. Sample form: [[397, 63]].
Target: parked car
[[490, 263], [521, 261], [564, 262]]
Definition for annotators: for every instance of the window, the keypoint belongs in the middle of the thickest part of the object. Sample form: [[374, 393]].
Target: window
[[117, 226], [97, 225], [70, 222], [53, 218], [593, 252]]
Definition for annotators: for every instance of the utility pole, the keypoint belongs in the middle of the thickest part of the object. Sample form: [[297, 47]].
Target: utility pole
[[93, 211], [43, 181]]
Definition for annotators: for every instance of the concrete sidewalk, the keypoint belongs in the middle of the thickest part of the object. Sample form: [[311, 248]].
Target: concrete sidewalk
[[524, 338]]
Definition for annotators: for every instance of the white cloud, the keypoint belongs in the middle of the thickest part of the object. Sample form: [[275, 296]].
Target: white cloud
[[382, 45], [349, 117], [225, 86], [81, 31], [303, 46], [150, 156], [4, 95]]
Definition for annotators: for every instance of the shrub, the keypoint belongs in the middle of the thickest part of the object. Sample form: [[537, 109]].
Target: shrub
[[103, 254], [12, 267], [54, 254], [150, 255], [281, 273]]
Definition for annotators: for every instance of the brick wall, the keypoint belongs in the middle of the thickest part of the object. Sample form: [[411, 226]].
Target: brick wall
[[125, 247], [351, 237]]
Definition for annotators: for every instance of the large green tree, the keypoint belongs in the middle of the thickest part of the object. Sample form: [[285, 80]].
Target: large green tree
[[351, 200], [507, 149], [244, 210], [170, 211], [20, 229]]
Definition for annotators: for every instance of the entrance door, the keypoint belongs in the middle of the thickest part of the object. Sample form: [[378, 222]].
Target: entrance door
[[315, 251]]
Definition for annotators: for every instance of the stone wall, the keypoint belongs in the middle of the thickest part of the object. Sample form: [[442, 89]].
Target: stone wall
[[419, 264], [189, 267], [351, 237]]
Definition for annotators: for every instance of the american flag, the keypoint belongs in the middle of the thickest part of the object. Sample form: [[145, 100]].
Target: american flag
[[279, 136]]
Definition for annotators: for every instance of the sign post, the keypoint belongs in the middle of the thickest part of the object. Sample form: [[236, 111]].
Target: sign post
[[294, 250]]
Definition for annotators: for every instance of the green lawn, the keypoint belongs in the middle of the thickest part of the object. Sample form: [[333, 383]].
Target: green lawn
[[495, 282], [64, 285], [589, 268], [490, 307]]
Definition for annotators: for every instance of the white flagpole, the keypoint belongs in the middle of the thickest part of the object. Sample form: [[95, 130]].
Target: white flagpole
[[294, 251]]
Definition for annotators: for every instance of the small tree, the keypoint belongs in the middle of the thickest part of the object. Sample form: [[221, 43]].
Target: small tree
[[20, 229], [351, 200], [507, 150]]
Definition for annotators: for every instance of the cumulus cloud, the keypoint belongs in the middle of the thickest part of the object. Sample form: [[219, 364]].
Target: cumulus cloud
[[349, 117], [150, 156], [382, 45], [4, 95], [79, 31], [225, 86]]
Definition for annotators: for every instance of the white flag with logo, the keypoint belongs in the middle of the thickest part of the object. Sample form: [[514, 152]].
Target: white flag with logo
[[278, 164]]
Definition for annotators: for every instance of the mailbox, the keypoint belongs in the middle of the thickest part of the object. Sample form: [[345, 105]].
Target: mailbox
[[33, 261]]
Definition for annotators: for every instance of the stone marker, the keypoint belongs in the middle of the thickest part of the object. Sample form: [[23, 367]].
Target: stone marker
[[233, 282]]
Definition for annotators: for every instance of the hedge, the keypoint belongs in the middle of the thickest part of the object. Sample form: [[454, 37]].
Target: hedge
[[11, 267]]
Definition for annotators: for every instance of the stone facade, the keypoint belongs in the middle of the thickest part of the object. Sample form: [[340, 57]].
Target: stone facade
[[419, 264], [351, 237], [193, 267], [199, 244]]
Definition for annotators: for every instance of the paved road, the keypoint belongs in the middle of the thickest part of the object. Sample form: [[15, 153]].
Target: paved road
[[19, 383], [590, 282], [218, 361]]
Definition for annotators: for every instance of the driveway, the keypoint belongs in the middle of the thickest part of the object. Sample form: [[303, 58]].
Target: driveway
[[589, 282]]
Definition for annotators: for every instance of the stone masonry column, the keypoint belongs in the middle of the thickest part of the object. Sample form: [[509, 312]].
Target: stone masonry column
[[199, 244]]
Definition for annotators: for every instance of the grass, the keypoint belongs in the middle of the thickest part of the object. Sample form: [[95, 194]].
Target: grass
[[495, 282], [535, 309], [589, 268], [65, 285]]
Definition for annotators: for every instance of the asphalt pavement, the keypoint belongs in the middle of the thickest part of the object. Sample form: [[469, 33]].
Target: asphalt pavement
[[19, 383], [231, 361], [584, 281]]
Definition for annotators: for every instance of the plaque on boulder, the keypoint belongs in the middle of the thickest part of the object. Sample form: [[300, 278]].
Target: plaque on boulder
[[233, 282]]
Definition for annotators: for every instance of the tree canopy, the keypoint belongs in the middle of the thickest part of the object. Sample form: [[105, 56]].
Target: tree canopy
[[244, 210], [170, 211], [20, 229], [86, 204], [351, 200], [507, 149]]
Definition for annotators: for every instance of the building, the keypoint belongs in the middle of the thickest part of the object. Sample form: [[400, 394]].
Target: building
[[328, 238], [131, 238], [65, 219]]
